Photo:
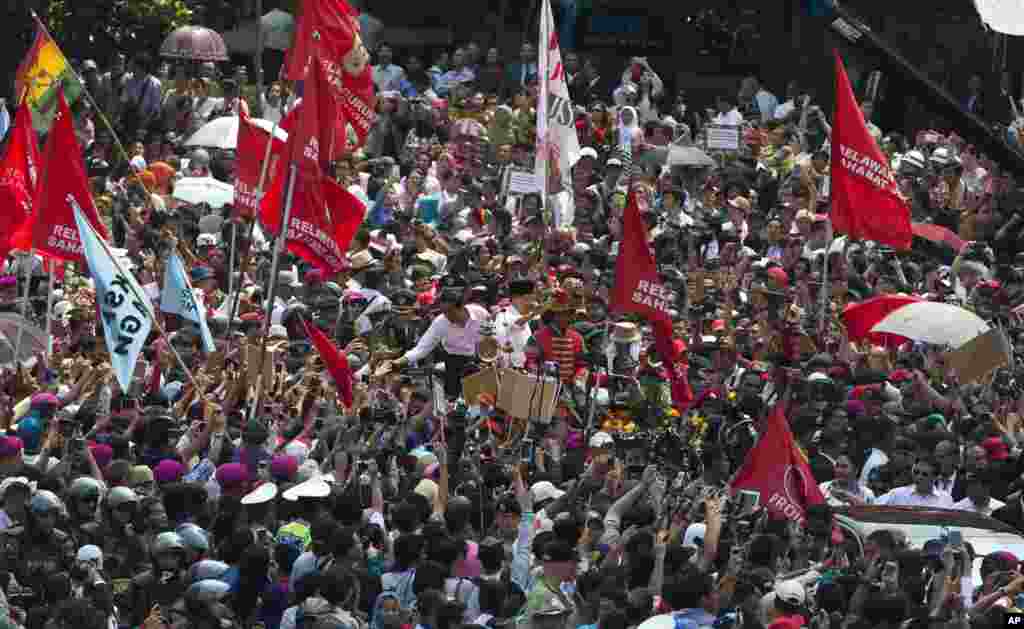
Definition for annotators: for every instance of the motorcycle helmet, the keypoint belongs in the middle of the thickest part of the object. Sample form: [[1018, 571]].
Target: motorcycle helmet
[[194, 537], [44, 502], [121, 495], [207, 569], [167, 543], [84, 487]]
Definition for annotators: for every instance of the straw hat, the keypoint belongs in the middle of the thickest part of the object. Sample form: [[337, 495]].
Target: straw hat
[[626, 332]]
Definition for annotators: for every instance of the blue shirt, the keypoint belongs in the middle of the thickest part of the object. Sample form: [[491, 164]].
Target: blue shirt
[[5, 122]]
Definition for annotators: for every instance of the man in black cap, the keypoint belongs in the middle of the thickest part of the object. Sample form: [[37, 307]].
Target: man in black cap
[[512, 324], [455, 333]]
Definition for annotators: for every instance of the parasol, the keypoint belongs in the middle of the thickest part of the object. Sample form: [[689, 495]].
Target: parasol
[[278, 28], [207, 190], [222, 133], [933, 322], [194, 43], [860, 318]]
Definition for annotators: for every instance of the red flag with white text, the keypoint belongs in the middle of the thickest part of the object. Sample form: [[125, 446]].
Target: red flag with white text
[[51, 229], [19, 172], [330, 30], [777, 469], [866, 203], [324, 216], [335, 361], [252, 149], [638, 289]]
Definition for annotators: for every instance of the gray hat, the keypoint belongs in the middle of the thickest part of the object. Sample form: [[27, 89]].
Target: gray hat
[[89, 64]]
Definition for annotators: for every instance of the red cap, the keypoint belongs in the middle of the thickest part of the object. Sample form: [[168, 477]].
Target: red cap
[[778, 274]]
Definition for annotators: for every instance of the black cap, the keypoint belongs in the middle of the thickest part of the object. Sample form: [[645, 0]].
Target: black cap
[[509, 504], [558, 550], [518, 288]]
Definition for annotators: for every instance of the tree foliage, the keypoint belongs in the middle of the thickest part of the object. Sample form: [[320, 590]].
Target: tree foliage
[[95, 27]]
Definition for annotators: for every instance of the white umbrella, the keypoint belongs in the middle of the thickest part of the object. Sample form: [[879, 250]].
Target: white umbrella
[[222, 133], [933, 322], [204, 190]]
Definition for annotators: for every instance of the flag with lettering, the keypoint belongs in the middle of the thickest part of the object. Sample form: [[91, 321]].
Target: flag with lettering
[[178, 297], [638, 289], [558, 146], [866, 203], [18, 177], [51, 229], [124, 307], [330, 30], [324, 216], [252, 149], [776, 469]]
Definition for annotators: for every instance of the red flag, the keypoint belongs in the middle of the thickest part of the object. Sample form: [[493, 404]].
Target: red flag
[[865, 200], [252, 148], [336, 362], [777, 469], [323, 221], [639, 289], [51, 229], [329, 30], [18, 177], [324, 216]]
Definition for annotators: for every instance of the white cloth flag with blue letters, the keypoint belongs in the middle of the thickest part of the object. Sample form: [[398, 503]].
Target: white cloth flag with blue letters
[[124, 307], [179, 298]]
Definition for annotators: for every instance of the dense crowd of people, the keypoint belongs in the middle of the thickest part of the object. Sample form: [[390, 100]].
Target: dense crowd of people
[[237, 488]]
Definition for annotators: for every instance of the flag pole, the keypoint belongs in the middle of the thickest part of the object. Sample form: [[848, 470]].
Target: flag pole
[[279, 245], [24, 303], [49, 312], [252, 228], [149, 310], [231, 259], [96, 107]]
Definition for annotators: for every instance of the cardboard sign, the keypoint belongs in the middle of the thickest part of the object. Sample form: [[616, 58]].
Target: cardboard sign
[[522, 182], [980, 356], [485, 381], [723, 137], [518, 390]]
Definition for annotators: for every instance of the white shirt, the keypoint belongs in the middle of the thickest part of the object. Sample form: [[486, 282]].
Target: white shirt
[[967, 505], [731, 118], [907, 496], [860, 491], [508, 333], [459, 341]]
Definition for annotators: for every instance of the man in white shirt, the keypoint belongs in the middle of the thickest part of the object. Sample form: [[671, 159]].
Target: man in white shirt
[[922, 493], [728, 114], [457, 331], [511, 329]]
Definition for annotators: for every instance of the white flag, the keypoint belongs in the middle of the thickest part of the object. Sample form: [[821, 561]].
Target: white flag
[[178, 297], [124, 307], [557, 143]]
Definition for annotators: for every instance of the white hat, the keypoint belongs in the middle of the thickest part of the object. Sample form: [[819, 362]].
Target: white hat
[[790, 592], [89, 553], [588, 151], [210, 224], [545, 490], [313, 488], [206, 240], [277, 331], [262, 494], [694, 533], [601, 440], [615, 161]]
